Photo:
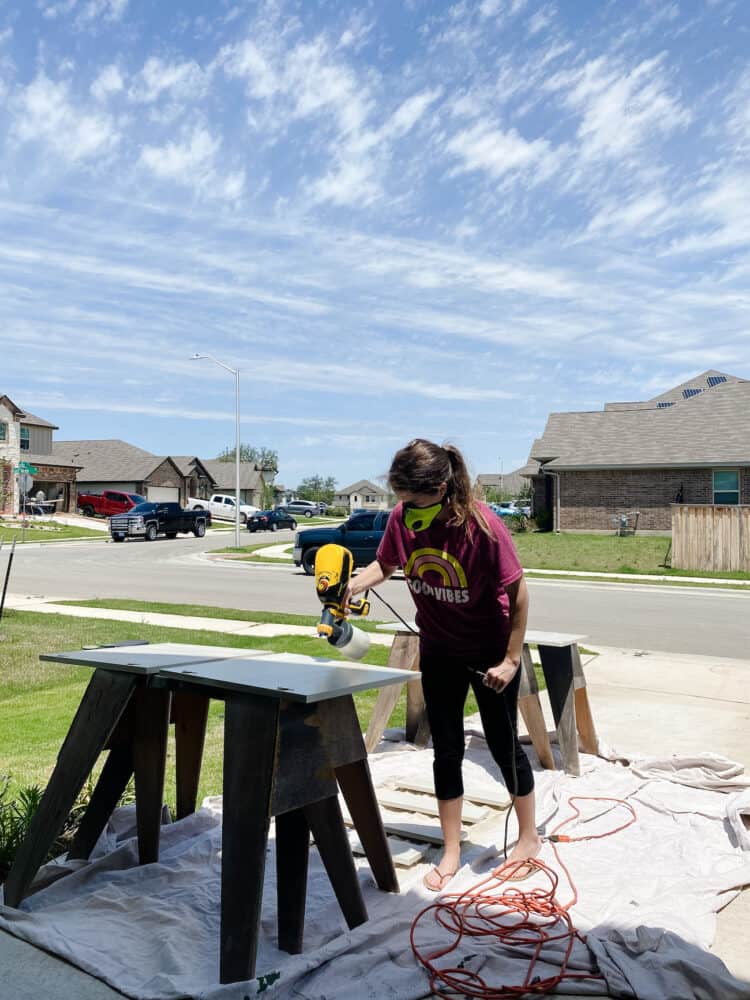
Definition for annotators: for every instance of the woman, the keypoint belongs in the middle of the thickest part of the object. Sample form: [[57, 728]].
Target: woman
[[472, 603]]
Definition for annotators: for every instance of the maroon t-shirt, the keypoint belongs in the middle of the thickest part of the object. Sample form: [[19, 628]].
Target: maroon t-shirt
[[457, 580]]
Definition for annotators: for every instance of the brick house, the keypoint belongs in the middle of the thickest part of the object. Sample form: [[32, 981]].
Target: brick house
[[24, 437], [690, 444]]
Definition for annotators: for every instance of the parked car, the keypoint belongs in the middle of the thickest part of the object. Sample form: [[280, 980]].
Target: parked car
[[307, 508], [107, 503], [222, 506], [511, 508], [147, 520], [361, 534], [270, 520]]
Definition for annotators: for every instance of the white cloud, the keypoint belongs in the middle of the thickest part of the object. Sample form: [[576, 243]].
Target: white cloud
[[542, 19], [349, 183], [409, 112], [620, 110], [642, 216], [490, 8], [723, 214], [44, 113], [109, 81], [192, 162], [483, 147], [182, 80], [88, 11], [108, 10]]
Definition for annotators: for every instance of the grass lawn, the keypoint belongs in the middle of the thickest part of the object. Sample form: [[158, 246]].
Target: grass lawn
[[38, 700], [45, 531], [602, 554]]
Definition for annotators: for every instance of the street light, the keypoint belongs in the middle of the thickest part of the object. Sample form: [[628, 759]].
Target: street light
[[236, 373]]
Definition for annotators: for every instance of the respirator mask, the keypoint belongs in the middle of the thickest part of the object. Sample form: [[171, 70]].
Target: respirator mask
[[420, 518]]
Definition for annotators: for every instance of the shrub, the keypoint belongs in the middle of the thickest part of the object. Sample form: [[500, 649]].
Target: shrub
[[15, 816]]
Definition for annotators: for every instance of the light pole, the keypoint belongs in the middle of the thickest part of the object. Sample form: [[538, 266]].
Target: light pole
[[501, 478], [236, 373]]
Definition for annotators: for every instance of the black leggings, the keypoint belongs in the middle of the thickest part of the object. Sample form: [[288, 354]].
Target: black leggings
[[445, 682]]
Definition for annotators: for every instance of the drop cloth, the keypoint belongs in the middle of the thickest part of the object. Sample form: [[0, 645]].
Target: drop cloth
[[647, 896]]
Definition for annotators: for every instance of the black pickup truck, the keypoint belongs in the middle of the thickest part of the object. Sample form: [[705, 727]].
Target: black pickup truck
[[147, 520], [361, 534]]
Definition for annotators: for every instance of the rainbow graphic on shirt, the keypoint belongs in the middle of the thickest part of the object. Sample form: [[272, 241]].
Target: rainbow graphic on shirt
[[423, 561]]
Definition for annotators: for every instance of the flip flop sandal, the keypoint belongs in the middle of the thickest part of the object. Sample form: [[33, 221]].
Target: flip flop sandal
[[443, 876], [520, 870]]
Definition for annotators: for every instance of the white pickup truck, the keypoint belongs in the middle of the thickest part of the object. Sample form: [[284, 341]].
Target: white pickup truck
[[222, 507]]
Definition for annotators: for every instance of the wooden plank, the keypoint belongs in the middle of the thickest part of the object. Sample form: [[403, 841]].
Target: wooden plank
[[538, 638], [404, 853], [429, 833], [427, 805], [496, 799]]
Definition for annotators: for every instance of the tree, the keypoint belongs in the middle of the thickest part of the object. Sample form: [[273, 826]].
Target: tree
[[317, 488], [266, 458]]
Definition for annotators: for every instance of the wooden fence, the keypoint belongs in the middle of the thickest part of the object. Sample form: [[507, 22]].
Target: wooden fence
[[714, 538]]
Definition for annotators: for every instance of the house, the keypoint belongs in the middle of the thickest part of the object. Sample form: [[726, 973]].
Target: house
[[690, 444], [24, 437], [252, 483], [511, 483], [117, 465], [363, 494]]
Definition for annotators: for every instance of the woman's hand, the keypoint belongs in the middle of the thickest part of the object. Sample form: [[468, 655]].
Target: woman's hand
[[499, 676]]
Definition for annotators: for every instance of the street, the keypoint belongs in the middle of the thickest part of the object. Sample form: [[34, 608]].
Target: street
[[650, 617]]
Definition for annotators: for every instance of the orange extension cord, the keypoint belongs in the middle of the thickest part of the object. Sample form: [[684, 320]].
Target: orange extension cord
[[536, 919]]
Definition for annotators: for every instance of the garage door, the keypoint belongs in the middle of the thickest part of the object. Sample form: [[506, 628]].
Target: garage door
[[168, 494]]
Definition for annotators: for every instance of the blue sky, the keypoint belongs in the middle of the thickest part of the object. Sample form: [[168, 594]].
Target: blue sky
[[397, 219]]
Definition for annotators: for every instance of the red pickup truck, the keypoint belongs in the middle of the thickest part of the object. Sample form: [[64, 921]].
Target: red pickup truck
[[107, 502]]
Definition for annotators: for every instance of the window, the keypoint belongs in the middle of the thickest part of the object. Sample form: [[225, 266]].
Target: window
[[3, 431], [24, 439], [727, 486]]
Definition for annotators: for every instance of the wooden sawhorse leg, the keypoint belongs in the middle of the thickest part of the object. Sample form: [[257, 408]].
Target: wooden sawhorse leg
[[359, 794], [404, 655], [251, 743], [106, 697], [531, 711], [190, 711], [557, 664], [149, 765], [584, 717]]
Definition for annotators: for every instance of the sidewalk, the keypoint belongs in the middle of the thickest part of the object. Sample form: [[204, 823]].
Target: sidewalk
[[643, 703]]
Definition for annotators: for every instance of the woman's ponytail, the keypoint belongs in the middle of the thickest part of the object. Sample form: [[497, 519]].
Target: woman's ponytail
[[461, 493]]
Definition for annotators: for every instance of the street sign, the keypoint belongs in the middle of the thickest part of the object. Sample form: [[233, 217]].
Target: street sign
[[25, 482], [26, 467]]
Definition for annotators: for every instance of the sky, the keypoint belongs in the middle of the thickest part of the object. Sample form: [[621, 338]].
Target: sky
[[396, 219]]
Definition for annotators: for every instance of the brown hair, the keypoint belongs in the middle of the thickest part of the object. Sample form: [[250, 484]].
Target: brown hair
[[421, 466]]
